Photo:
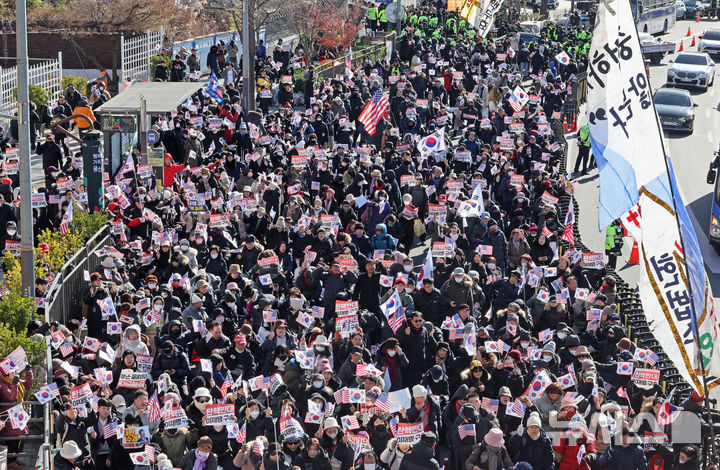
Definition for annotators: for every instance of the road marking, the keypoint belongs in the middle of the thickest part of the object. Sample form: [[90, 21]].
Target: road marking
[[709, 137]]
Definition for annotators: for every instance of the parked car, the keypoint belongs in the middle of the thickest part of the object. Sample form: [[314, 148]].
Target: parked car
[[692, 69], [710, 42], [675, 108], [680, 10], [692, 8]]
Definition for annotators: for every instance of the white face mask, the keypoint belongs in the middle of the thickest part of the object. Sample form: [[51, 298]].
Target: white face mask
[[158, 306], [459, 279], [152, 285], [213, 255], [547, 358], [382, 199], [454, 236], [407, 268], [318, 384], [392, 353], [491, 266], [184, 248], [524, 345], [369, 466], [254, 414], [320, 348], [204, 454], [562, 335]]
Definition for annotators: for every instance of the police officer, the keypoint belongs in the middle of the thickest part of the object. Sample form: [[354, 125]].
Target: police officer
[[372, 14], [613, 242], [583, 149]]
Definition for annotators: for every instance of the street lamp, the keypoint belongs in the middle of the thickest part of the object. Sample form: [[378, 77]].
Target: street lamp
[[248, 86]]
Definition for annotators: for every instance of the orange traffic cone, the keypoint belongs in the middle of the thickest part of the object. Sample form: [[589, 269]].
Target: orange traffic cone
[[565, 124], [681, 47], [693, 42], [697, 18], [634, 255], [688, 33], [625, 231], [574, 124]]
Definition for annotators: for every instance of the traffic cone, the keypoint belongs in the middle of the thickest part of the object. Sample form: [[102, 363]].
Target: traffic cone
[[693, 42], [625, 231], [681, 47], [697, 18], [634, 255], [565, 124], [574, 124], [688, 33]]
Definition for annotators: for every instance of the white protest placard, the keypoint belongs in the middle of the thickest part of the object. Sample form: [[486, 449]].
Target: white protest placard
[[221, 414], [132, 379]]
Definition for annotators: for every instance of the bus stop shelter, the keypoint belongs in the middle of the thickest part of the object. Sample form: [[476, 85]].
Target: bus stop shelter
[[124, 119]]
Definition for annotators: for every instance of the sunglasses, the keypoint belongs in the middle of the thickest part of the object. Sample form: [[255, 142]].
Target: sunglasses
[[293, 443], [203, 400]]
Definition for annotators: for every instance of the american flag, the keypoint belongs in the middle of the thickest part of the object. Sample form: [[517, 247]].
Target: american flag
[[394, 425], [568, 233], [109, 430], [241, 435], [490, 404], [67, 218], [150, 451], [154, 406], [546, 231], [518, 408], [374, 110], [227, 383], [350, 422], [383, 403], [516, 103], [258, 447], [466, 430], [396, 321], [66, 349]]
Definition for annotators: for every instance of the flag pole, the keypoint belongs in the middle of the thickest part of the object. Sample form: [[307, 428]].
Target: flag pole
[[682, 246]]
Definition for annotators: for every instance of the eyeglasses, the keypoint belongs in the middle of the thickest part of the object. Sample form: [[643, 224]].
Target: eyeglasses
[[419, 320]]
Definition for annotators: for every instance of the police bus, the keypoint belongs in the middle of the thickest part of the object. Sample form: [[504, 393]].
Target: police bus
[[653, 16]]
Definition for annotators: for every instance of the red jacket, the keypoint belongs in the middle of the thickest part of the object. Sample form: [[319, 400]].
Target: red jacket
[[569, 453], [14, 393]]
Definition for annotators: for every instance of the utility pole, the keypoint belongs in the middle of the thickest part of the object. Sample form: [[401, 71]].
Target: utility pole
[[27, 255], [142, 124], [248, 88]]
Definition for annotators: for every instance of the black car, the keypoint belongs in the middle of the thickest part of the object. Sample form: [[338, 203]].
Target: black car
[[692, 8], [675, 108]]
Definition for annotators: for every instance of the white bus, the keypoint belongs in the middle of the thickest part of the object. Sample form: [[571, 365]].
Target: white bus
[[653, 16]]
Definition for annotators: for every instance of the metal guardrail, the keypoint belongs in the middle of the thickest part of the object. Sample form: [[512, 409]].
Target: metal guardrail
[[373, 52], [45, 451], [63, 298]]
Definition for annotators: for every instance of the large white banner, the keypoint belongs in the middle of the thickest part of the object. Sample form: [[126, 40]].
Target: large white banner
[[637, 184]]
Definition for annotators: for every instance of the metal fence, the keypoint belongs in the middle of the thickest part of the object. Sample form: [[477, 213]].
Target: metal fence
[[136, 54], [376, 51], [64, 296], [203, 45], [46, 74]]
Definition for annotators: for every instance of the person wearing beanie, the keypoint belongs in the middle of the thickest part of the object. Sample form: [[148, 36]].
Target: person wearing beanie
[[423, 408], [506, 374], [532, 445], [491, 454]]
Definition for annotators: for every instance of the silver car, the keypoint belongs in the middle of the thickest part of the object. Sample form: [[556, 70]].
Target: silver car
[[680, 9], [692, 69], [710, 43]]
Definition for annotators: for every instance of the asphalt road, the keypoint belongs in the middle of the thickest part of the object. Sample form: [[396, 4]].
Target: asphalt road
[[691, 155]]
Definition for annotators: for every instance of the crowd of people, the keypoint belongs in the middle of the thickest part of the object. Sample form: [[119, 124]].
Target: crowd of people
[[301, 293]]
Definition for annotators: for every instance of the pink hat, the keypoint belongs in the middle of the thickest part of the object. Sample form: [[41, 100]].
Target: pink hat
[[325, 366], [171, 395], [494, 438]]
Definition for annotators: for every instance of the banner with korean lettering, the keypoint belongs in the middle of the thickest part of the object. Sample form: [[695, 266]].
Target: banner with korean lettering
[[638, 186]]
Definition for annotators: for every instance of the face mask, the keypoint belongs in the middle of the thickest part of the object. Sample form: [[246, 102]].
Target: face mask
[[332, 435], [200, 406], [459, 279], [573, 352], [254, 414], [407, 268], [204, 454], [562, 335], [369, 466], [524, 345], [184, 248], [382, 199], [318, 384], [229, 304], [392, 353], [547, 358], [158, 306], [11, 232], [213, 255], [320, 348], [521, 199], [491, 265]]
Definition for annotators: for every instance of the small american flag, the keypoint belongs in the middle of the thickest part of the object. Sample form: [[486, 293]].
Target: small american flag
[[382, 403], [466, 430], [258, 446], [109, 430], [154, 406], [66, 349], [241, 435], [568, 232], [374, 110], [546, 231], [67, 218], [227, 383], [515, 103], [350, 422], [518, 408], [396, 321], [394, 426], [150, 451], [607, 386], [490, 404]]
